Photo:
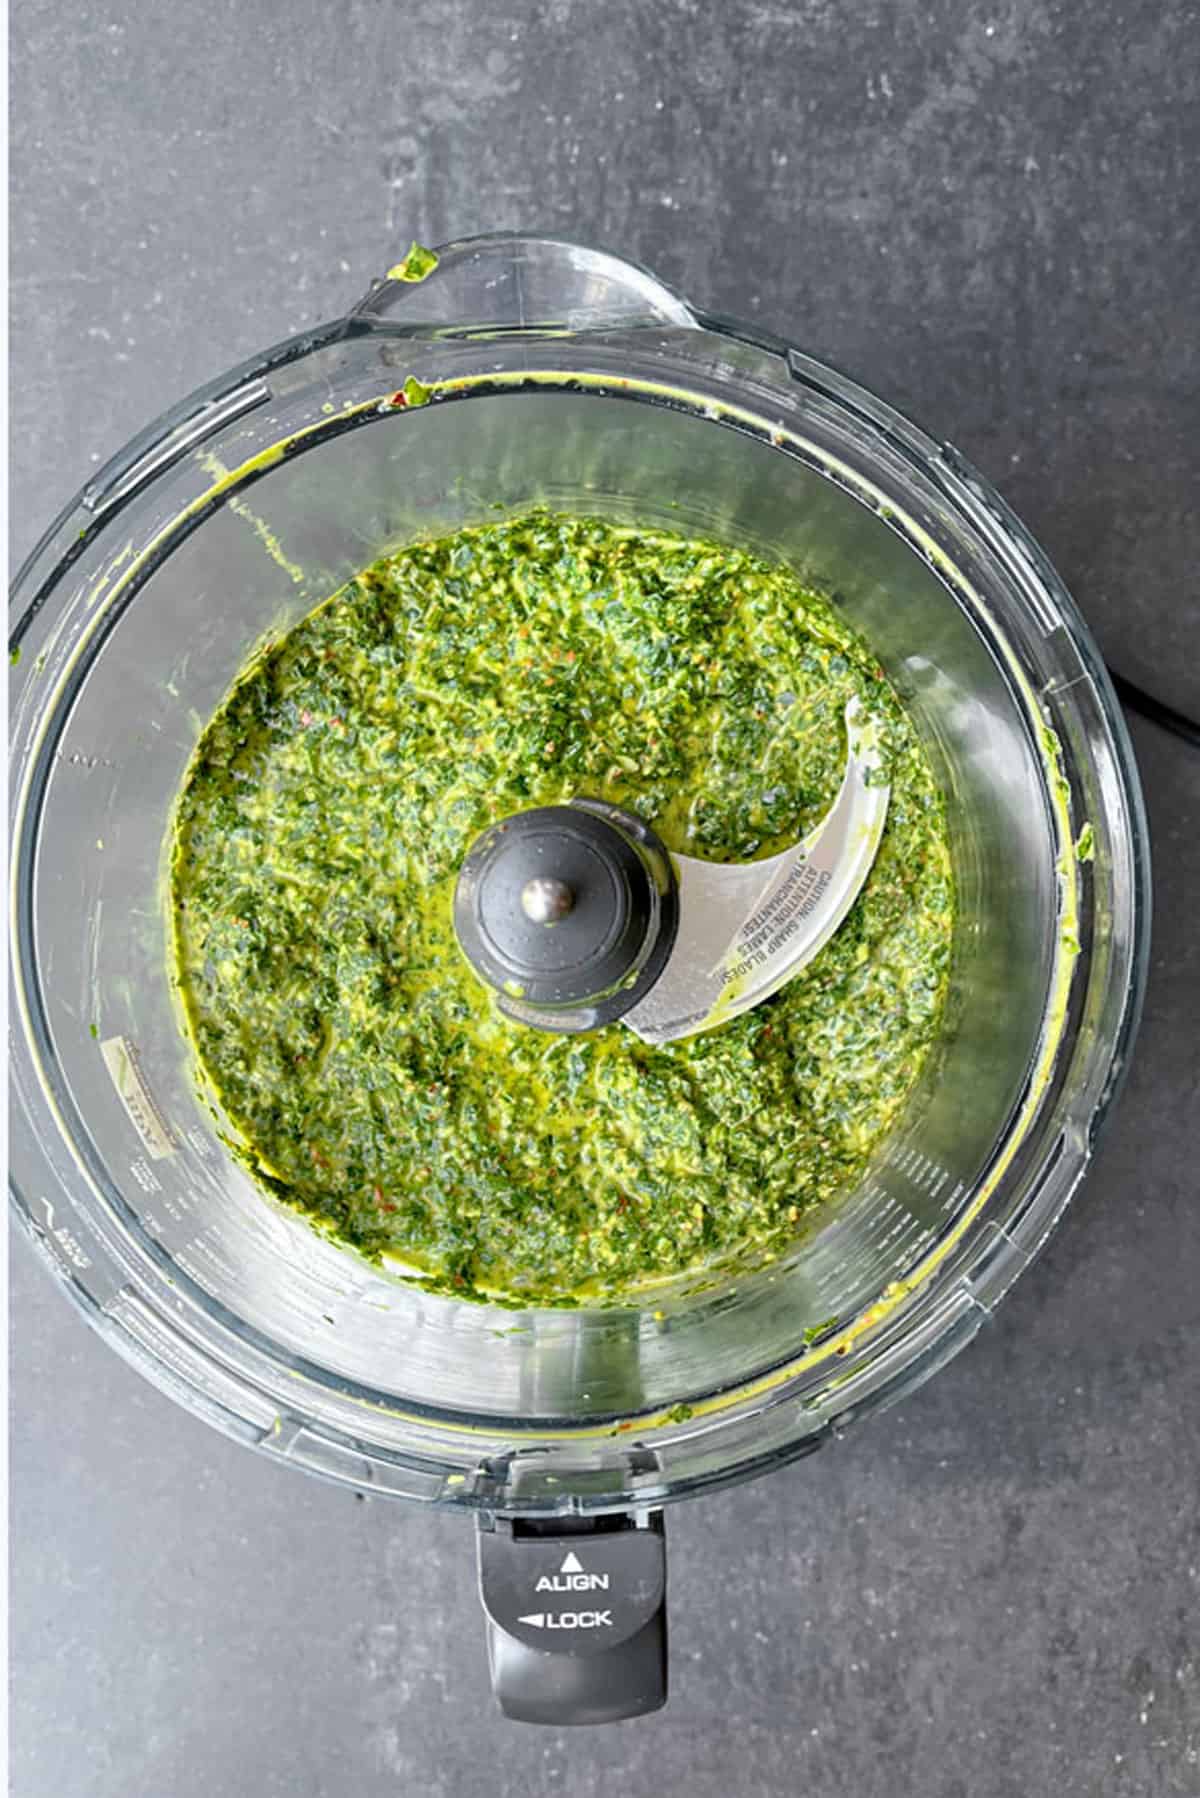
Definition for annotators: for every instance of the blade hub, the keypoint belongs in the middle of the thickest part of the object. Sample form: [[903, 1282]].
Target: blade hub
[[568, 912]]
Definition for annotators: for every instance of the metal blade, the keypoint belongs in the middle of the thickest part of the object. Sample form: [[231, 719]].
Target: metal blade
[[746, 928]]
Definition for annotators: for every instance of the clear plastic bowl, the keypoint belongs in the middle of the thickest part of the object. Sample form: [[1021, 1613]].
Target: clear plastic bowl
[[563, 376]]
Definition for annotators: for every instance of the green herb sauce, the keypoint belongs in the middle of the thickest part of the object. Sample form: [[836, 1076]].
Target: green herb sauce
[[372, 1082]]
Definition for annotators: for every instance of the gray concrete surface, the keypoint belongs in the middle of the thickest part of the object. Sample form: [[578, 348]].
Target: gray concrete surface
[[988, 212]]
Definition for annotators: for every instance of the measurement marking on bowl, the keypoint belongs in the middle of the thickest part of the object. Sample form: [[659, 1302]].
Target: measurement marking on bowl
[[145, 1176], [121, 1060], [66, 1239]]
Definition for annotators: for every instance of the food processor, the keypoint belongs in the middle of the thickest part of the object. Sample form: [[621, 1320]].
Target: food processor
[[497, 374]]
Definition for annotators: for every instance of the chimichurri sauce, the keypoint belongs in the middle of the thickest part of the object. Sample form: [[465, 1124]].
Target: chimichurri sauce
[[371, 1079]]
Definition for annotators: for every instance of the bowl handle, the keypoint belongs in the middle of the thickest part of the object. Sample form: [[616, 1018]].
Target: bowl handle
[[511, 282]]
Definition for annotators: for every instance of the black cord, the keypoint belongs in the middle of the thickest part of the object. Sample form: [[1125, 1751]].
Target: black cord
[[1157, 710]]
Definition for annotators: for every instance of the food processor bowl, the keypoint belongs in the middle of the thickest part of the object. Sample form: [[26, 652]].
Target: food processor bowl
[[523, 371]]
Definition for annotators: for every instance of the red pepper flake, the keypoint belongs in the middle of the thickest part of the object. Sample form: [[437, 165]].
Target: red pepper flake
[[399, 399]]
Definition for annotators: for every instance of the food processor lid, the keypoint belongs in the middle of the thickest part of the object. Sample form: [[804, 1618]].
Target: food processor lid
[[578, 916]]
